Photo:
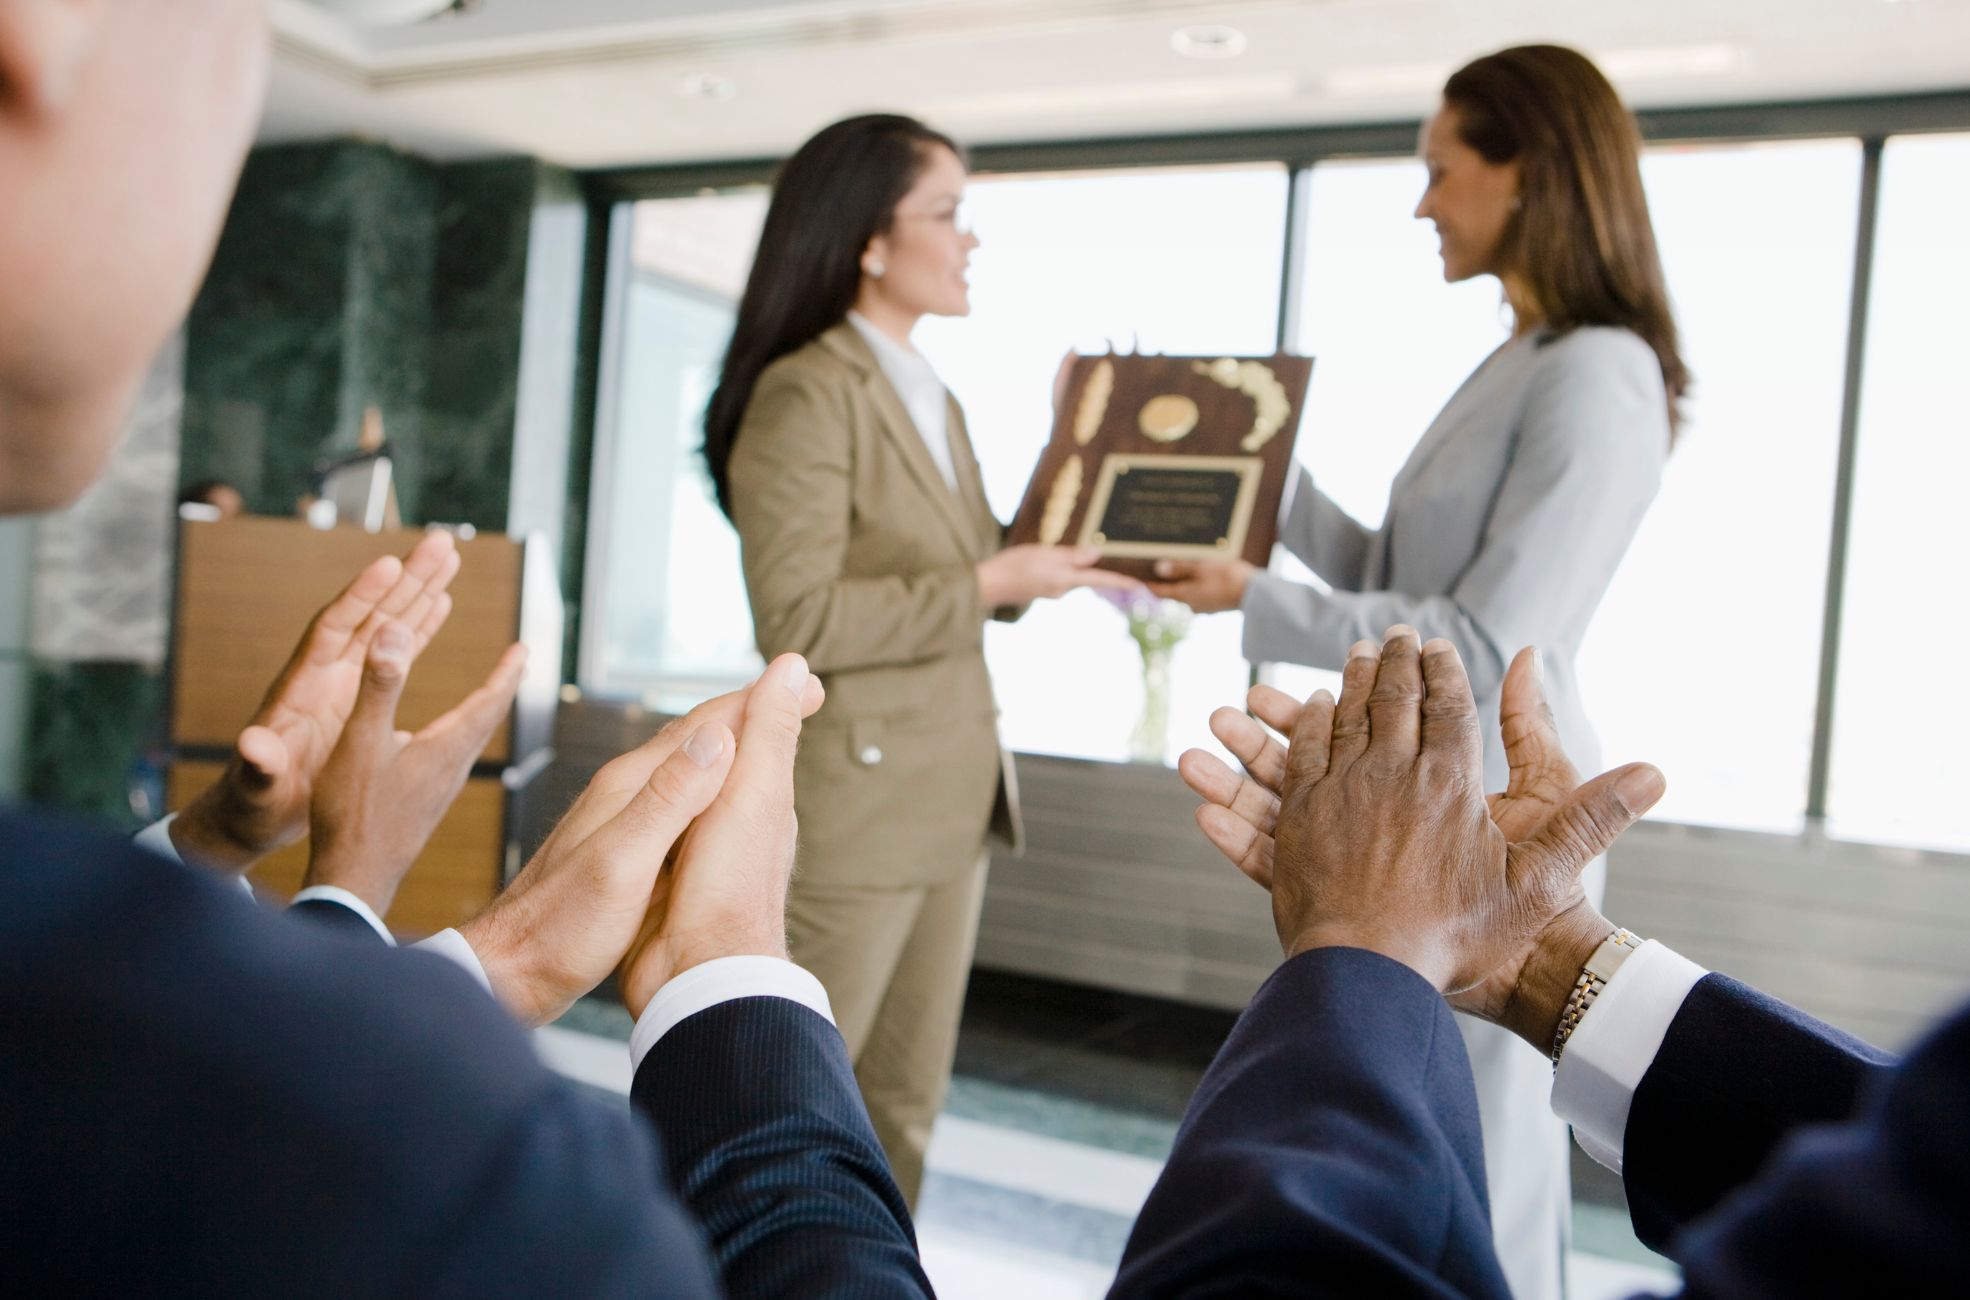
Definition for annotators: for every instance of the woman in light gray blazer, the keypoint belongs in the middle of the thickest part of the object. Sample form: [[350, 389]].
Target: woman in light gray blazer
[[1513, 512]]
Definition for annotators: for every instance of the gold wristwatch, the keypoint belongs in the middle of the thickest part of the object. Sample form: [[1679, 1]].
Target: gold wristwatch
[[1601, 967]]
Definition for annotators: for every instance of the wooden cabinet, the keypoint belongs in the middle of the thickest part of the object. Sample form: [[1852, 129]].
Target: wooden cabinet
[[246, 589]]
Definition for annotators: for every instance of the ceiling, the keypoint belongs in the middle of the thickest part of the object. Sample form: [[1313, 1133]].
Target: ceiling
[[594, 83]]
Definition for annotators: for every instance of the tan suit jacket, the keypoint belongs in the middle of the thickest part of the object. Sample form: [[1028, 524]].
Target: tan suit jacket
[[860, 557]]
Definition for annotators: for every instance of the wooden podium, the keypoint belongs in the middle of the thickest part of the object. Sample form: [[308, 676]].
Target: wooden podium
[[246, 589]]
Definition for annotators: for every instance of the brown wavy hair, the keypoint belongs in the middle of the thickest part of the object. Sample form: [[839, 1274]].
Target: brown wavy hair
[[1580, 243]]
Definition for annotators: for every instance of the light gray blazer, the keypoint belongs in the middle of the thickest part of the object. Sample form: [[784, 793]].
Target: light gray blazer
[[1503, 530]]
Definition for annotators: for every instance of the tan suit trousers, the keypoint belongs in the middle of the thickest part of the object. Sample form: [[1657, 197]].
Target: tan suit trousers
[[894, 962]]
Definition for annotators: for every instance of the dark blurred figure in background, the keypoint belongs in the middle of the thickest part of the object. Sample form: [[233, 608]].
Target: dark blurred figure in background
[[221, 499]]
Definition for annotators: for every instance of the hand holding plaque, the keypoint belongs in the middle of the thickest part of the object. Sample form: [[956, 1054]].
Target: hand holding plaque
[[1155, 457]]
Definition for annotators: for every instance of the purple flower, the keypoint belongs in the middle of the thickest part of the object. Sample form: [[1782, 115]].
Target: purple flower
[[1133, 602]]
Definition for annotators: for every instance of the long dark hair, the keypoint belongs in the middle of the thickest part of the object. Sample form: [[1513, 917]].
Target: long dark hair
[[837, 192], [1581, 241]]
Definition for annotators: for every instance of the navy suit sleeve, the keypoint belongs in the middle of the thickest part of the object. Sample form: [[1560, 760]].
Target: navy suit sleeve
[[206, 1099], [771, 1148], [334, 916], [1876, 1205], [1331, 1149], [1737, 1072]]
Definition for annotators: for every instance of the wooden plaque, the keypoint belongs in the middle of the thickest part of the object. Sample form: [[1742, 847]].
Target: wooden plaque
[[1156, 457]]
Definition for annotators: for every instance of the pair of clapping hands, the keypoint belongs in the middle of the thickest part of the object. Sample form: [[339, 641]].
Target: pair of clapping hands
[[1371, 827], [677, 853]]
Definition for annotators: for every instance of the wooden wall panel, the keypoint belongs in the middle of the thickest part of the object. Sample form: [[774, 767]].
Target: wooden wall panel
[[248, 586]]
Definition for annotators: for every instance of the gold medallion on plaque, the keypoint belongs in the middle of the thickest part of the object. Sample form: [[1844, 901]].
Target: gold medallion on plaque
[[1168, 418]]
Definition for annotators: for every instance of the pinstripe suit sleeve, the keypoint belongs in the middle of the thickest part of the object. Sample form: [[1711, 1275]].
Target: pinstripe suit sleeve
[[771, 1149]]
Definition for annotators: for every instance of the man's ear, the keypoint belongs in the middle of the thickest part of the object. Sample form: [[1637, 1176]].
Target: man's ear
[[44, 45]]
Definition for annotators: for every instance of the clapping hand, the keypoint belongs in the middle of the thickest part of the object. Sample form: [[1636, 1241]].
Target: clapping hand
[[260, 803], [1369, 830], [383, 791], [569, 918], [726, 893]]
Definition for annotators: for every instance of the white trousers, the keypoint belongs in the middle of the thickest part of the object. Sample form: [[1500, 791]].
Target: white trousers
[[1525, 1148]]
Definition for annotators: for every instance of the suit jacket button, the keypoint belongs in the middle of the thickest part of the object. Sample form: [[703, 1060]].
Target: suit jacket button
[[871, 755]]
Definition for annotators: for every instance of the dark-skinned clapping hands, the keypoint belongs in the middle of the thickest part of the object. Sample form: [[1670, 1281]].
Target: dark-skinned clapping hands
[[1371, 828]]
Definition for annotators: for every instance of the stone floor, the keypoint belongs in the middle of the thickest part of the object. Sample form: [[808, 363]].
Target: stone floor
[[1064, 1105]]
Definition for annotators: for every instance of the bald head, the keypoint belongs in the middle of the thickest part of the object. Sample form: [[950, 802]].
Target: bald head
[[123, 124]]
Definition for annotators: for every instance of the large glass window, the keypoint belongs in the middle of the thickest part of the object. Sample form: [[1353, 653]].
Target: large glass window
[[1898, 769], [1162, 261], [1758, 247], [1390, 342], [668, 614], [1757, 242], [1178, 261]]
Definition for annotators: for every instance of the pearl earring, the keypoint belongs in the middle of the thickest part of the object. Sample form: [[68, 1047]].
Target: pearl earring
[[875, 270]]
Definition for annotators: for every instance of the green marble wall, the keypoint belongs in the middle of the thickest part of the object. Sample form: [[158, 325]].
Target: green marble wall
[[95, 741], [483, 217], [352, 275], [265, 345], [16, 675], [348, 274]]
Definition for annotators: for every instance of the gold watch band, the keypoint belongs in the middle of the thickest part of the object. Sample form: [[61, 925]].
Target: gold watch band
[[1600, 968]]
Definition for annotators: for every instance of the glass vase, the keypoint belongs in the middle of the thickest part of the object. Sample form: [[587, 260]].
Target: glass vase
[[1152, 730]]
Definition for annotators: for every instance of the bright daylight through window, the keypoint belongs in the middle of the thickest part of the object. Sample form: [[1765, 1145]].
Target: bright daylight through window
[[1757, 243]]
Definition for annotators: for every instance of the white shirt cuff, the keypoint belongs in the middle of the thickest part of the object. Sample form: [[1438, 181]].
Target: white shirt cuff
[[450, 944], [335, 894], [1616, 1043], [156, 838], [724, 980]]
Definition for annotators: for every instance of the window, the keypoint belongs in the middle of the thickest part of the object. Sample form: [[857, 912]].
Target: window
[[1164, 261], [1390, 343], [1898, 771], [669, 611], [1758, 246], [1736, 543]]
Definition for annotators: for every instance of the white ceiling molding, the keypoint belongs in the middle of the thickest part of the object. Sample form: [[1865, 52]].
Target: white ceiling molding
[[592, 83], [383, 13], [746, 28]]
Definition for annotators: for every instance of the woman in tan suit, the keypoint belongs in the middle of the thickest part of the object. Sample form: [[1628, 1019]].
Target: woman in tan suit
[[869, 548]]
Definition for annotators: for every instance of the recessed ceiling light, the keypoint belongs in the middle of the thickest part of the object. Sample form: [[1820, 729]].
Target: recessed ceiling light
[[1208, 41], [385, 13], [706, 85]]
